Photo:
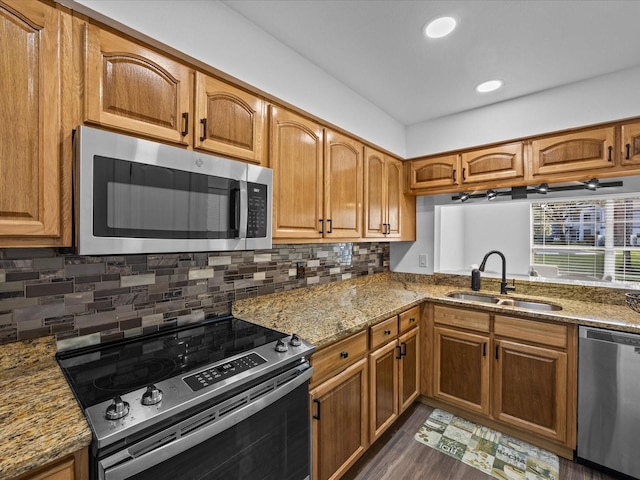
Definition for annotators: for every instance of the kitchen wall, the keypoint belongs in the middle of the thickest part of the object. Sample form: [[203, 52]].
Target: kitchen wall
[[43, 291]]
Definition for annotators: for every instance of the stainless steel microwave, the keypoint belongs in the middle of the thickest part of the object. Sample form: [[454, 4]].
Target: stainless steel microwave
[[138, 196]]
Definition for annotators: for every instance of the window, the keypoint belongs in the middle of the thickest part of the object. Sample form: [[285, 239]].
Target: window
[[587, 239]]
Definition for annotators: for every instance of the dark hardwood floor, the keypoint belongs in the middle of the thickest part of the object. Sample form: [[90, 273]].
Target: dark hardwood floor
[[397, 456]]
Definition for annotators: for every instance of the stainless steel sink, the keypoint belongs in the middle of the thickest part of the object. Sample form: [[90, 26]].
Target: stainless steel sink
[[473, 297], [507, 302]]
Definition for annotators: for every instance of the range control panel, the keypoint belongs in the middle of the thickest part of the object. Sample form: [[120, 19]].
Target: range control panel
[[216, 374]]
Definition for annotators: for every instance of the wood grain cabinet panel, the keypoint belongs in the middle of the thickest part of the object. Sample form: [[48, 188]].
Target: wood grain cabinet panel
[[530, 388], [383, 195], [229, 120], [461, 369], [298, 176], [505, 162], [409, 376], [71, 467], [434, 172], [590, 150], [339, 409], [384, 381], [630, 153], [35, 48], [134, 89]]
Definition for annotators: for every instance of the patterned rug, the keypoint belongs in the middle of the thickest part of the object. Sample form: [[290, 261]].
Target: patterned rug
[[494, 453]]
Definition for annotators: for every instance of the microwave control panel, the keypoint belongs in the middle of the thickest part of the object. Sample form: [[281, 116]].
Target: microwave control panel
[[257, 210]]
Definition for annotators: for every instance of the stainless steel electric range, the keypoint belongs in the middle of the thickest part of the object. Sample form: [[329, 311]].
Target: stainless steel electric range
[[224, 399]]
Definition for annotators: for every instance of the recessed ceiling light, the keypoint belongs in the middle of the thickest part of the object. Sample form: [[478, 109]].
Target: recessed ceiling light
[[440, 27], [489, 86]]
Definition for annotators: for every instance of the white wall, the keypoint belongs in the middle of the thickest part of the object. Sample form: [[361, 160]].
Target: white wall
[[598, 100], [213, 33]]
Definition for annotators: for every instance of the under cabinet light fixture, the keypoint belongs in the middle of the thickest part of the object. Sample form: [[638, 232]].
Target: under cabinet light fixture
[[542, 189]]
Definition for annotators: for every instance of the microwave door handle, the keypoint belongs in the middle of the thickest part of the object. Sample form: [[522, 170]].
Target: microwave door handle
[[242, 210]]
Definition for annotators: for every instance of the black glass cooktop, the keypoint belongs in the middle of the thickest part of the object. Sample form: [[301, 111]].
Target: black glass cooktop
[[99, 373]]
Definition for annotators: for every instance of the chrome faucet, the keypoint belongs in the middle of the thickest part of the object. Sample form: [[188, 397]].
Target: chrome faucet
[[504, 288]]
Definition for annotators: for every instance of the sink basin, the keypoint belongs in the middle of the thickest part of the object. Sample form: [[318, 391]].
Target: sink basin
[[473, 297], [507, 302]]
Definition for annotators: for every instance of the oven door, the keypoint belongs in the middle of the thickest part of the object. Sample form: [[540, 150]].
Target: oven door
[[261, 434]]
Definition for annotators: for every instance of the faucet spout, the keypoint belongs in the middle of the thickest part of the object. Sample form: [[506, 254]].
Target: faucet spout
[[504, 288]]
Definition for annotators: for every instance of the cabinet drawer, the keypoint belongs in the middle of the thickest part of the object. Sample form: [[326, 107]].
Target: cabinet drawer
[[409, 319], [384, 331], [338, 356], [462, 318], [532, 331]]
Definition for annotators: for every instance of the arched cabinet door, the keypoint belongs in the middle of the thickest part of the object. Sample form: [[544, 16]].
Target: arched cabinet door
[[33, 37], [491, 164], [229, 120], [434, 172], [630, 153], [132, 88]]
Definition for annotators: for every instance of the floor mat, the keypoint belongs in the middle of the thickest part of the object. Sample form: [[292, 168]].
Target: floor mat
[[492, 452]]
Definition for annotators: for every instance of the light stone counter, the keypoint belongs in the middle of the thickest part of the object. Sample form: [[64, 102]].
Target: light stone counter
[[40, 420], [325, 313]]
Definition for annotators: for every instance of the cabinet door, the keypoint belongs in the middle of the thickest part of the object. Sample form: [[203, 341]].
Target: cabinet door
[[229, 121], [297, 162], [343, 186], [375, 194], [30, 138], [574, 152], [530, 388], [491, 164], [383, 388], [409, 376], [393, 183], [461, 369], [434, 172], [631, 144], [339, 409], [135, 89]]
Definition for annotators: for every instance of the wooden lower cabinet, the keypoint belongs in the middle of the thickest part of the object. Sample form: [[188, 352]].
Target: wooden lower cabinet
[[409, 376], [461, 369], [515, 373], [530, 388], [72, 467], [339, 421]]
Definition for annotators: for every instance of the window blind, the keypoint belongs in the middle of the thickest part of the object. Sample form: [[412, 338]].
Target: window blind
[[588, 239]]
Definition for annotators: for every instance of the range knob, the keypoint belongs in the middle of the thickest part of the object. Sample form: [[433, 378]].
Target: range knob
[[281, 346], [295, 340], [117, 409], [152, 396]]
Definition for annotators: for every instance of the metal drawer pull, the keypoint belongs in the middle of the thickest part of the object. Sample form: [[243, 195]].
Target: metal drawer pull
[[204, 129], [344, 354], [185, 117], [387, 332], [317, 414]]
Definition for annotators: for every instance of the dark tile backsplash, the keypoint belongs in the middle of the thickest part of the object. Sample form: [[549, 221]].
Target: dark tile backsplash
[[83, 300]]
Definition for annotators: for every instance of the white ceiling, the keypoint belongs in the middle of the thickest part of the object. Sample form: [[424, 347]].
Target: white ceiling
[[376, 47]]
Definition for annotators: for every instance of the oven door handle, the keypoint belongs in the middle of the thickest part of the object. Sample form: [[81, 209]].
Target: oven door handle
[[131, 461]]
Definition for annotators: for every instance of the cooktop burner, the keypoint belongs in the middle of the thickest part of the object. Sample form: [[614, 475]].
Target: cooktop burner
[[98, 373]]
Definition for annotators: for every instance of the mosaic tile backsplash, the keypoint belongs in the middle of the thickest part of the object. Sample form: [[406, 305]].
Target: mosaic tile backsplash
[[84, 300]]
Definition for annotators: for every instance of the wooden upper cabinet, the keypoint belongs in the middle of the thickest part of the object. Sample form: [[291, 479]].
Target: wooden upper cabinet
[[434, 172], [573, 152], [297, 162], [383, 195], [34, 50], [134, 89], [630, 153], [229, 121], [493, 164], [343, 186]]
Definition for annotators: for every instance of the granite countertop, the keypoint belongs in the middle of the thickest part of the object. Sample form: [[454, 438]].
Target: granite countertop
[[39, 416], [322, 314]]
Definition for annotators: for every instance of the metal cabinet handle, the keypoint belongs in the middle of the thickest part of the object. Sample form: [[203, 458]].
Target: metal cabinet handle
[[204, 129], [484, 349], [330, 225], [403, 349], [399, 352], [387, 332], [321, 225], [412, 319], [185, 117], [344, 354], [610, 153], [317, 414], [464, 174], [628, 151], [497, 349], [454, 176]]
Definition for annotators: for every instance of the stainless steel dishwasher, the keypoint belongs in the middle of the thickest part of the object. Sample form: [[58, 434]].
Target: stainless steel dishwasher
[[609, 399]]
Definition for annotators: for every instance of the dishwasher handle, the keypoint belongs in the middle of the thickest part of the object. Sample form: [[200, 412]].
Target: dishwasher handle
[[609, 336]]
